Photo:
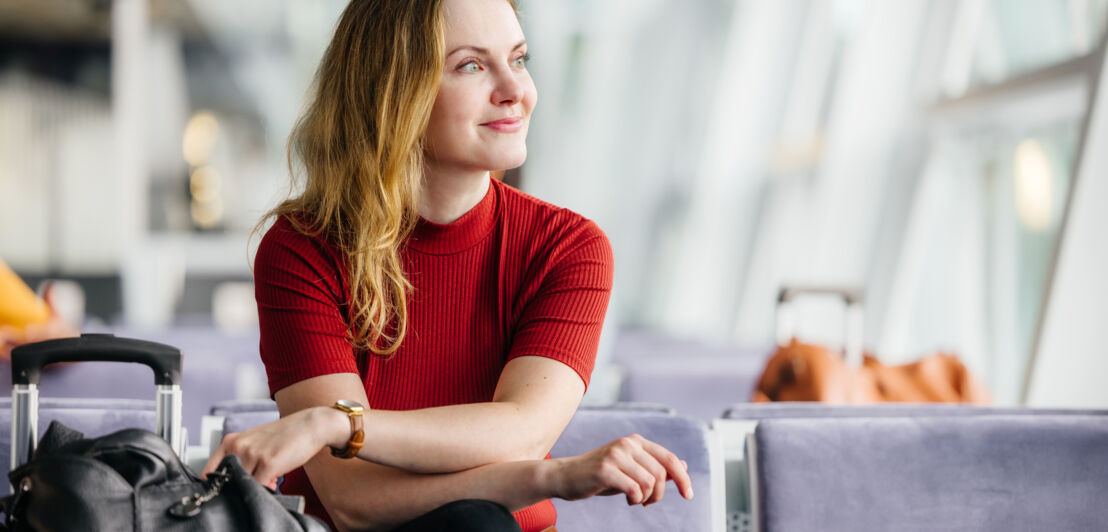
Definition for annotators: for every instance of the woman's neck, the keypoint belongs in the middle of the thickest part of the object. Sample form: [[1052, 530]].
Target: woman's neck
[[446, 196]]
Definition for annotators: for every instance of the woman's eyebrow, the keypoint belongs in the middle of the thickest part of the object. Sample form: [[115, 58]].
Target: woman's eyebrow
[[483, 51]]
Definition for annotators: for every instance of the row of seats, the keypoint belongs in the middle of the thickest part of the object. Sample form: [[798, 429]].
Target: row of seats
[[795, 466], [818, 467]]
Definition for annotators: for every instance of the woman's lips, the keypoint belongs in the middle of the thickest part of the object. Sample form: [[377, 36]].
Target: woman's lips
[[505, 125]]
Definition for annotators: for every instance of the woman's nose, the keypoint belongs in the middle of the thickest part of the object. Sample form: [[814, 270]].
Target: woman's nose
[[508, 89]]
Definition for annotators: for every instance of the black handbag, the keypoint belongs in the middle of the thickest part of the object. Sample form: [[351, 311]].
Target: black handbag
[[132, 480]]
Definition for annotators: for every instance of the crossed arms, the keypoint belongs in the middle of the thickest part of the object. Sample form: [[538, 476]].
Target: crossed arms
[[415, 461]]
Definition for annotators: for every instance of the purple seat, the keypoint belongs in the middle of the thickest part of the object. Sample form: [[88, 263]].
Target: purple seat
[[691, 376], [240, 421], [739, 421], [787, 410], [957, 473], [686, 437], [92, 417], [226, 408], [693, 384]]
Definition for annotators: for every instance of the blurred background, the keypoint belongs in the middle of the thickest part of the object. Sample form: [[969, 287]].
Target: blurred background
[[945, 158]]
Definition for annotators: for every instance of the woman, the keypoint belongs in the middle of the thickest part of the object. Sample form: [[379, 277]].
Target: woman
[[404, 278]]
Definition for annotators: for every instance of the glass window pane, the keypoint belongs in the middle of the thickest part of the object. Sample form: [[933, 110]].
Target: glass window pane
[[1018, 36], [989, 212], [1028, 179]]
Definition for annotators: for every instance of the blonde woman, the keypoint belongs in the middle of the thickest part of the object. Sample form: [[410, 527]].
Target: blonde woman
[[419, 315]]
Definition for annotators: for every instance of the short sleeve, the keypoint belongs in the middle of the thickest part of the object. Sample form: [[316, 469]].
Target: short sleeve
[[300, 291], [563, 320]]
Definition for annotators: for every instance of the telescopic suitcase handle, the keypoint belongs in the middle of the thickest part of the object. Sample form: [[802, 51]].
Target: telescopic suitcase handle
[[852, 333], [29, 360]]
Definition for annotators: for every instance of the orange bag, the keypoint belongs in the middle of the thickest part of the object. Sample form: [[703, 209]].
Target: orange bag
[[804, 372]]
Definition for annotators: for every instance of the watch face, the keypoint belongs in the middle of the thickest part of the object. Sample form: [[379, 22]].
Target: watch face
[[349, 405]]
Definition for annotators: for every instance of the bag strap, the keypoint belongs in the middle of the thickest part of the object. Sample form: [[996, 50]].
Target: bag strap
[[12, 505], [5, 508]]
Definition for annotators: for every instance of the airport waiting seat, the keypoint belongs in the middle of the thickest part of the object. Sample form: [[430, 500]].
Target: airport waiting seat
[[94, 417], [693, 377], [800, 409], [739, 421], [963, 473], [242, 420], [694, 384], [590, 428], [225, 408], [689, 438]]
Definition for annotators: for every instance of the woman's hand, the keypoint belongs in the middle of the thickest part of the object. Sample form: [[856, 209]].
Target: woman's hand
[[271, 450], [632, 465]]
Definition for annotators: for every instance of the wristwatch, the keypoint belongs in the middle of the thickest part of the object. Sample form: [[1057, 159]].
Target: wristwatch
[[357, 434]]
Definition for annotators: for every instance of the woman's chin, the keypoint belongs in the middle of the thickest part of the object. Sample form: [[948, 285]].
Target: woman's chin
[[503, 163]]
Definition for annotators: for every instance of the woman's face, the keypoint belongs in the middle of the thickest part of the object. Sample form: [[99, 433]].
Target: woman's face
[[480, 117]]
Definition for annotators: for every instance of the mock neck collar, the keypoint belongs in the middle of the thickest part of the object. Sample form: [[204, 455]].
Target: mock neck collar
[[461, 234]]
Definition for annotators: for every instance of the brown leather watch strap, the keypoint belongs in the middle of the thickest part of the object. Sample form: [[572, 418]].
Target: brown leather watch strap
[[357, 435]]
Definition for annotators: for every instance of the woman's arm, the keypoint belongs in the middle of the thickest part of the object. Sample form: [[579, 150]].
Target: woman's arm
[[534, 400], [362, 495]]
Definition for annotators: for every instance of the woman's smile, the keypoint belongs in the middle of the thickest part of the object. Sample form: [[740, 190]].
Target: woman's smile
[[505, 125]]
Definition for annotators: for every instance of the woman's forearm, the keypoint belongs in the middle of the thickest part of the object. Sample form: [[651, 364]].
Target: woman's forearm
[[365, 496], [534, 401], [454, 438], [439, 440]]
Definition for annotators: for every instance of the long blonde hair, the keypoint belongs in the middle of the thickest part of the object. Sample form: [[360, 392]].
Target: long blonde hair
[[360, 145]]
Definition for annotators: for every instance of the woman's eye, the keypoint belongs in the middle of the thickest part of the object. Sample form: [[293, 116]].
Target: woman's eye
[[521, 61], [471, 66]]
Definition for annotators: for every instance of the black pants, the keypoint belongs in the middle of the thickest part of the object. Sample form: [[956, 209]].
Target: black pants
[[470, 515]]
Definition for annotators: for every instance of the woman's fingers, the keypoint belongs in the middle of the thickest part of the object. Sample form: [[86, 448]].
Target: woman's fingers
[[657, 472], [676, 468], [639, 473], [648, 466], [213, 462], [612, 480], [273, 449], [253, 455]]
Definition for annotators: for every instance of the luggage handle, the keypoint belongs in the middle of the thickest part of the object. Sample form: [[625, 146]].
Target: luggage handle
[[28, 360], [853, 331]]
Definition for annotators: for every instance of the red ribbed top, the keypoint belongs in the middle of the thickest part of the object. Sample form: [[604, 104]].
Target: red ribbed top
[[514, 276]]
